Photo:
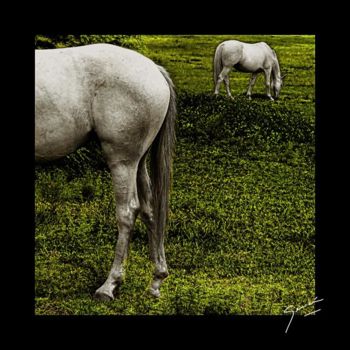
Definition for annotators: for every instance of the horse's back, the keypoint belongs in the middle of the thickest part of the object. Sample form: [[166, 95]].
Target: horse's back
[[102, 87], [84, 69], [259, 51]]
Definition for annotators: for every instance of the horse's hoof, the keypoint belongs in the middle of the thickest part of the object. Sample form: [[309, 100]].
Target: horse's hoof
[[103, 296], [155, 292]]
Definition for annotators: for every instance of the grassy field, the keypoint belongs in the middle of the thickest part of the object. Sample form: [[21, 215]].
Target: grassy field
[[241, 238]]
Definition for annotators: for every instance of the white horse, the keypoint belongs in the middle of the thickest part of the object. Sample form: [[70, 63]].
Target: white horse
[[248, 58], [129, 102]]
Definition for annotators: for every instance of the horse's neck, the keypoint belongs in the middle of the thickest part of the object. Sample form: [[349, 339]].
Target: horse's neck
[[276, 69]]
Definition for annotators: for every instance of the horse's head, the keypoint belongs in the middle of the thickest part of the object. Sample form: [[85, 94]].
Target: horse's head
[[277, 85]]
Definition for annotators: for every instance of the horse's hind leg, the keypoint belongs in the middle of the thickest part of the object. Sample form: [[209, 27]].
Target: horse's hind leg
[[156, 244], [227, 85], [223, 76], [127, 207], [251, 84]]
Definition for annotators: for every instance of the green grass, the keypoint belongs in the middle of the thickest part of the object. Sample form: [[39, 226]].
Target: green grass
[[241, 236]]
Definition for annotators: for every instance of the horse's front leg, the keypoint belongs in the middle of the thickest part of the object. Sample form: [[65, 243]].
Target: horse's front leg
[[251, 84], [268, 83], [127, 208]]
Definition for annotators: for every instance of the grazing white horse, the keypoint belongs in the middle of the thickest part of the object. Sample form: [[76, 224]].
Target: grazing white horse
[[248, 58], [129, 102]]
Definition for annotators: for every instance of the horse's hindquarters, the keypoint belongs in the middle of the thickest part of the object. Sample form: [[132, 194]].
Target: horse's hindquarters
[[127, 100], [129, 112], [118, 92]]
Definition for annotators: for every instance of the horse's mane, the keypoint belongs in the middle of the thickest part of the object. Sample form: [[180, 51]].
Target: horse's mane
[[275, 67]]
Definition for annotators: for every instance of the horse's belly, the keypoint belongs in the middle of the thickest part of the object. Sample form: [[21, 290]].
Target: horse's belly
[[54, 143], [241, 68], [246, 68], [60, 128]]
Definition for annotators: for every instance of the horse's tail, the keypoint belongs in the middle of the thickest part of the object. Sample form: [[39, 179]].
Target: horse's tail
[[161, 157], [217, 63]]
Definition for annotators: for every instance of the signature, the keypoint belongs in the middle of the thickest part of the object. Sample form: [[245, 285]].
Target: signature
[[290, 309]]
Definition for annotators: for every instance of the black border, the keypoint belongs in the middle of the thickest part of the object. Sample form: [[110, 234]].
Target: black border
[[197, 327]]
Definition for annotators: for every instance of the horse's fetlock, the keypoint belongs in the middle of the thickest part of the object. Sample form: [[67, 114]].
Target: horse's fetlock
[[161, 273]]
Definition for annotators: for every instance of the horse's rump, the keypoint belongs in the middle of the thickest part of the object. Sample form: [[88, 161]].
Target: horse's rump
[[101, 87]]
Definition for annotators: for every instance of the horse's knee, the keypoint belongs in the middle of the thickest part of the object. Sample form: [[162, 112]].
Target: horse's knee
[[220, 79], [127, 214], [130, 212], [134, 205]]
